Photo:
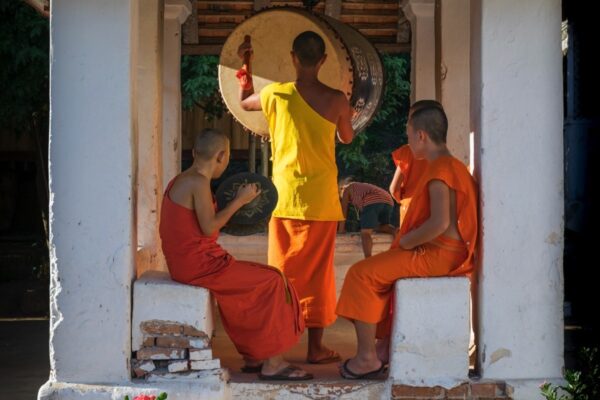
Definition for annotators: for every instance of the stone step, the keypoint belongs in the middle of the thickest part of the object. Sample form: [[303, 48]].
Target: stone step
[[315, 389]]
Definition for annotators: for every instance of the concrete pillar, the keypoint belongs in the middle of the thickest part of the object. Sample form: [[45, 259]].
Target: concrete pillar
[[455, 74], [150, 103], [517, 107], [176, 12], [421, 14], [93, 151]]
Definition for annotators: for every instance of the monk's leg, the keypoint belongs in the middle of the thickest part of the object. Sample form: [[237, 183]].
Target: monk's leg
[[304, 251], [366, 359], [259, 309], [366, 239]]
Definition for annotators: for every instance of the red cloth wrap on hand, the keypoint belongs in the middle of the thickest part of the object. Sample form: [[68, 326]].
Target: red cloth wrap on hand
[[244, 78]]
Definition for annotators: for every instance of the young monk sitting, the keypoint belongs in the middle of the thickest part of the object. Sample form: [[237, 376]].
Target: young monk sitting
[[408, 169], [259, 309], [437, 238], [374, 206]]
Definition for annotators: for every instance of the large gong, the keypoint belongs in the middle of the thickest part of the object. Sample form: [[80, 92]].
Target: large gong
[[352, 66]]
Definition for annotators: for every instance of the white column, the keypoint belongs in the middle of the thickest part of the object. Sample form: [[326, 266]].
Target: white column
[[93, 150], [456, 74], [150, 124], [176, 12], [518, 114], [421, 14]]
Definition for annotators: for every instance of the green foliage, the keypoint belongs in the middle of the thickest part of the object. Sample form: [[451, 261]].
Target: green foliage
[[200, 86], [581, 385], [24, 66], [368, 157]]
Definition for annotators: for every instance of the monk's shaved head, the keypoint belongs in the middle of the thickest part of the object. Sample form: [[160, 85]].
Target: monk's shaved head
[[209, 142], [432, 120], [309, 47], [419, 105]]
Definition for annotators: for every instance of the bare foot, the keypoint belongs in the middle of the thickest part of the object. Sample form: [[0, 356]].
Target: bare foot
[[322, 355], [283, 371]]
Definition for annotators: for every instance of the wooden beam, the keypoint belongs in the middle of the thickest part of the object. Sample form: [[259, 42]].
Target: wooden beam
[[201, 49], [260, 4], [393, 48]]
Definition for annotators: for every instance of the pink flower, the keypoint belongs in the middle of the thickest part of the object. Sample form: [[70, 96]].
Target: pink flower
[[144, 397]]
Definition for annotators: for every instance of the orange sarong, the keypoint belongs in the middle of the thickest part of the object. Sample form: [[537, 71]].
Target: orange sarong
[[258, 307], [304, 251], [368, 284]]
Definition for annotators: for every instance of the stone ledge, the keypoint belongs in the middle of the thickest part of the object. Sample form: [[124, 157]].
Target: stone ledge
[[431, 332], [202, 386], [158, 298]]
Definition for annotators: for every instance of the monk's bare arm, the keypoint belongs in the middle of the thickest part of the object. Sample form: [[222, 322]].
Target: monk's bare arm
[[396, 184], [439, 218], [345, 202], [344, 123], [209, 221], [250, 102]]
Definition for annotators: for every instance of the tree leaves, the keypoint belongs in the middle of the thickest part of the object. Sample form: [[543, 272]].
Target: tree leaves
[[24, 66], [368, 157]]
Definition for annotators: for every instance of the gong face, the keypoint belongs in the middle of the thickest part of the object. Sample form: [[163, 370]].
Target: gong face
[[258, 209], [272, 33]]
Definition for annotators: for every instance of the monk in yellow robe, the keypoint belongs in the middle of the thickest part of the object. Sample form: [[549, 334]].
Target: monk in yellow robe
[[437, 238], [303, 117]]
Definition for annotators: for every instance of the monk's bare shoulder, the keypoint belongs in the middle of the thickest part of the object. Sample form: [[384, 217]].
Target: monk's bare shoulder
[[186, 186]]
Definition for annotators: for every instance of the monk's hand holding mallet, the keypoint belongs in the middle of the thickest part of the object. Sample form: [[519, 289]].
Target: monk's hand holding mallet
[[247, 192]]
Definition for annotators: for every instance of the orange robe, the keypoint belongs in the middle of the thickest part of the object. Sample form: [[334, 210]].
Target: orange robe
[[369, 283], [412, 170], [259, 309], [304, 250]]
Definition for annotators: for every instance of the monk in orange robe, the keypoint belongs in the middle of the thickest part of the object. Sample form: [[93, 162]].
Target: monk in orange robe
[[303, 117], [437, 238], [259, 309], [408, 169]]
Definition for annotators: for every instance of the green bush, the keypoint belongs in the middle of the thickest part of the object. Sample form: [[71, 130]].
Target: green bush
[[581, 385], [368, 157]]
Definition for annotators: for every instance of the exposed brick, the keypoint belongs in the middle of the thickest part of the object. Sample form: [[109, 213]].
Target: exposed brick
[[406, 392], [205, 364], [155, 327], [189, 330], [178, 366], [488, 389], [173, 341], [148, 342], [200, 355], [161, 353], [141, 368], [182, 342], [458, 392]]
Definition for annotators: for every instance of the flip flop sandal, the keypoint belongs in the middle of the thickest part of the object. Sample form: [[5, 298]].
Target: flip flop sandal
[[346, 373], [284, 375], [333, 357]]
